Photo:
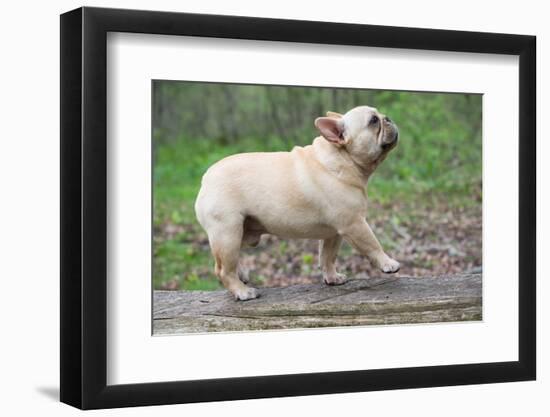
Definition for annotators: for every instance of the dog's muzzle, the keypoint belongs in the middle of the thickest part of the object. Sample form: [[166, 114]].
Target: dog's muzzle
[[392, 134]]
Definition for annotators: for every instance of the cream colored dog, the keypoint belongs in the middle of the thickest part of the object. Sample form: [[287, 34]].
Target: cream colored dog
[[314, 192]]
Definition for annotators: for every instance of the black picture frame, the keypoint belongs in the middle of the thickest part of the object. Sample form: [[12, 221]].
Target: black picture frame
[[84, 207]]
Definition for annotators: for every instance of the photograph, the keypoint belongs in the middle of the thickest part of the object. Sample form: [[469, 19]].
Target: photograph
[[293, 207], [331, 203]]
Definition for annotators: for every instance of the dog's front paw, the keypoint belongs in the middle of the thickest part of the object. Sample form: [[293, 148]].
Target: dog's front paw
[[335, 279], [245, 293], [389, 266]]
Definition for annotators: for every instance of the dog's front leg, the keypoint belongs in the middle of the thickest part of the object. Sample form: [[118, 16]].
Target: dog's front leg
[[361, 237], [328, 249]]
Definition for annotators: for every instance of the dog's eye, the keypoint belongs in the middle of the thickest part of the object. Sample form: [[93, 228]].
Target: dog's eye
[[374, 120]]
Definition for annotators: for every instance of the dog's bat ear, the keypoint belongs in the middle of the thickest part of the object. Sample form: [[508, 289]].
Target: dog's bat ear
[[334, 115], [332, 129]]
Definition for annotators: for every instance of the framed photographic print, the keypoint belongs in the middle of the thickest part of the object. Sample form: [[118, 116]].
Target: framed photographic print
[[257, 207]]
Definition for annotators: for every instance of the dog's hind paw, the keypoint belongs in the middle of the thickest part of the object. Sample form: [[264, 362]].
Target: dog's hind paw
[[335, 279], [246, 293]]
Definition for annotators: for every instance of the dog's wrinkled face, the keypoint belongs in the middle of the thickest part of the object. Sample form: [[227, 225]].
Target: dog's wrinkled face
[[366, 134]]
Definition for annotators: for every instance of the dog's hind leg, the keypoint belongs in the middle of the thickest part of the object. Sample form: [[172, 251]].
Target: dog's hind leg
[[252, 232], [328, 249], [250, 239], [243, 273], [225, 242]]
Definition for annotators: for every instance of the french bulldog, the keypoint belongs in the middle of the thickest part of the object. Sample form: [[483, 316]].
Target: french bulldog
[[313, 192]]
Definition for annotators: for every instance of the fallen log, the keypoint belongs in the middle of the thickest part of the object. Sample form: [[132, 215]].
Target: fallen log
[[374, 301]]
